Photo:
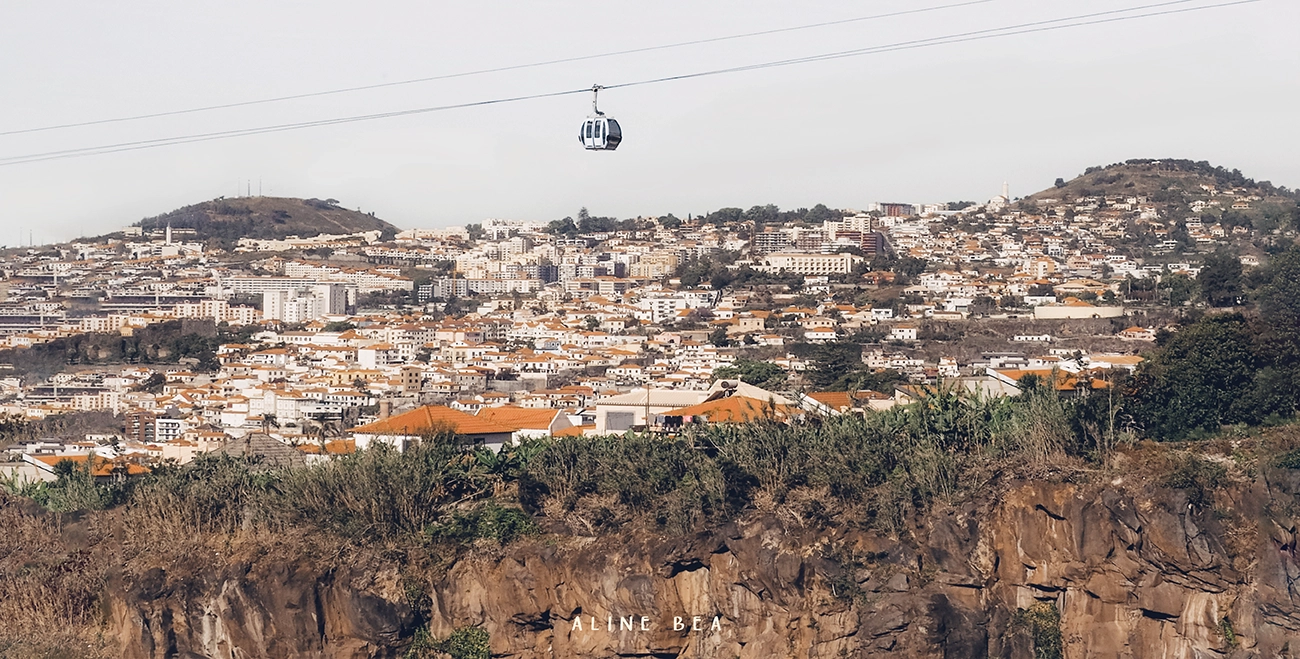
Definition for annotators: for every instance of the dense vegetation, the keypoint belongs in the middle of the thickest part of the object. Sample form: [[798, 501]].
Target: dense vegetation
[[161, 343], [225, 221], [69, 425], [1226, 368], [876, 469]]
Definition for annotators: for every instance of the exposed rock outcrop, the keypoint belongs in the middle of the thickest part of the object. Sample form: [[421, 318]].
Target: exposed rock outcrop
[[1141, 574]]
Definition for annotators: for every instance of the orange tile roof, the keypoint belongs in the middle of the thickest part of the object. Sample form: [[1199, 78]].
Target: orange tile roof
[[735, 409], [335, 447], [518, 417], [836, 400], [574, 431], [433, 418], [1065, 381], [100, 468]]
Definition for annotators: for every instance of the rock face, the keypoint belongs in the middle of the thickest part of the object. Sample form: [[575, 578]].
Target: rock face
[[1144, 575]]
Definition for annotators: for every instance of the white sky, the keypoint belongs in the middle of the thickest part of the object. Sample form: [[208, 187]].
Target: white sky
[[935, 124]]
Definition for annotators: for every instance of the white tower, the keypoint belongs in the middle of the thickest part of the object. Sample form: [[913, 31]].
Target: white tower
[[1006, 191], [168, 239]]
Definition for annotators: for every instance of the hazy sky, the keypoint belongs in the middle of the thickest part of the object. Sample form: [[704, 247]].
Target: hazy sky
[[932, 124]]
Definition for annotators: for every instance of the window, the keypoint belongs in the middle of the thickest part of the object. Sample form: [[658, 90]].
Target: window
[[588, 130], [619, 421]]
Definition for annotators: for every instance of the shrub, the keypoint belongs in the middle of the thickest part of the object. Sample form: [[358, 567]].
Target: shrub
[[1288, 460], [1042, 622], [381, 492], [1197, 477], [490, 521], [464, 643]]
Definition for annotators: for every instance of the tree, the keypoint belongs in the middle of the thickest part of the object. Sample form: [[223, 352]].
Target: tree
[[982, 305], [321, 430], [910, 266], [761, 215], [154, 383], [718, 337], [820, 213], [1220, 279], [1204, 377], [1279, 340], [1178, 287], [760, 374], [591, 322], [564, 227], [832, 362], [724, 216], [1060, 182]]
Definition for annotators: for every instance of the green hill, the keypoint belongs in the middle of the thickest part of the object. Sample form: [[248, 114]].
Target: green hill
[[229, 220], [1175, 186]]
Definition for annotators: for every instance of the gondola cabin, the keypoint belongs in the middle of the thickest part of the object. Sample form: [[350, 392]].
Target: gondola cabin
[[600, 133]]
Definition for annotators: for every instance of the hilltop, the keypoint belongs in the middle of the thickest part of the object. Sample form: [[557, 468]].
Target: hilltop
[[1184, 188], [267, 218]]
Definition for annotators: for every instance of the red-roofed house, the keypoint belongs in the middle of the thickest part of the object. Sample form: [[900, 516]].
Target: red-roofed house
[[432, 420]]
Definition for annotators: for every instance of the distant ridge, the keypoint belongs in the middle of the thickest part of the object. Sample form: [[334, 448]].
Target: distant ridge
[[229, 220], [1168, 180], [1179, 190]]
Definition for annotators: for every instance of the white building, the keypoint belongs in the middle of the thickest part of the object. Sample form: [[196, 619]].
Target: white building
[[303, 305], [810, 264]]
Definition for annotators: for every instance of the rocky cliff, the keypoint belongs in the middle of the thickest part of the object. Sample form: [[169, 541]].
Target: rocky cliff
[[1095, 570]]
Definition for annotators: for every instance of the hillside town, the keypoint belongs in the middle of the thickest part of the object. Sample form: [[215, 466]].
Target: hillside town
[[505, 330]]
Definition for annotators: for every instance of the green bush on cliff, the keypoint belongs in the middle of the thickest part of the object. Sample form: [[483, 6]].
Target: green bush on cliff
[[1288, 460], [1197, 477], [467, 643], [464, 643], [1042, 622], [883, 464], [490, 521]]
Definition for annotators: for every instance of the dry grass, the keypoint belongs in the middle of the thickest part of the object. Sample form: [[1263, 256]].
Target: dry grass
[[51, 578]]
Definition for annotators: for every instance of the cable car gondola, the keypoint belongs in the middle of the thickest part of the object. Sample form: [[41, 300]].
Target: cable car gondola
[[599, 132]]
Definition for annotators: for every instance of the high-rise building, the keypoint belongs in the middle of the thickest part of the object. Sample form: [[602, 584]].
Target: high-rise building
[[305, 304]]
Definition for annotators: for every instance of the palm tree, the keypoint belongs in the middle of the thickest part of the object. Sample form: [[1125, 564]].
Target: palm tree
[[269, 421], [322, 431]]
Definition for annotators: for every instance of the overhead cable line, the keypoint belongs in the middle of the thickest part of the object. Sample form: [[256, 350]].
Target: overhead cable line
[[501, 69], [979, 35]]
